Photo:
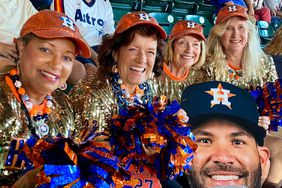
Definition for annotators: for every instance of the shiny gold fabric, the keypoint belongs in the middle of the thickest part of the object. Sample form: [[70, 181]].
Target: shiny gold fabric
[[94, 102], [173, 89], [269, 74], [13, 122]]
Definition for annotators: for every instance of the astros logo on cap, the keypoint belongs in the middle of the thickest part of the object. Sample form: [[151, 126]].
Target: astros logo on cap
[[232, 8], [68, 22], [143, 16], [191, 25], [220, 96]]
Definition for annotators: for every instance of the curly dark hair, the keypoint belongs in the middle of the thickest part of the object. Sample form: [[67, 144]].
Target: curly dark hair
[[113, 43]]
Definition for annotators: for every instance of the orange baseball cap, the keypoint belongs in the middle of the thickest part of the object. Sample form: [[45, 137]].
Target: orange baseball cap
[[138, 18], [186, 27], [49, 24], [229, 11]]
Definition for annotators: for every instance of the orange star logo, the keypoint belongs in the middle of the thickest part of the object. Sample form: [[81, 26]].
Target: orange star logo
[[220, 96]]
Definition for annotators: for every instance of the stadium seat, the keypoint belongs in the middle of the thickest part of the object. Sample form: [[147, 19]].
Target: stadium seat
[[276, 23], [157, 5], [266, 31], [205, 10], [168, 6], [120, 9], [152, 8], [195, 1], [201, 20], [121, 1], [183, 3], [166, 20], [137, 5], [182, 8]]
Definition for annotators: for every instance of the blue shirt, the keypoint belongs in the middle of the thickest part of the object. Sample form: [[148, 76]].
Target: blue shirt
[[220, 3]]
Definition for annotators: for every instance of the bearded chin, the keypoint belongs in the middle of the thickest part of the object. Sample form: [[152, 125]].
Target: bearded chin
[[253, 179]]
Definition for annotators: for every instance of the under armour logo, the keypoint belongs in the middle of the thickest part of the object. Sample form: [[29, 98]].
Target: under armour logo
[[143, 16], [220, 96], [68, 23], [190, 25], [232, 8]]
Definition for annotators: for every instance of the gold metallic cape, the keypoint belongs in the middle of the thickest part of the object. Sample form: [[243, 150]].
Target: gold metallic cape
[[269, 74], [13, 123]]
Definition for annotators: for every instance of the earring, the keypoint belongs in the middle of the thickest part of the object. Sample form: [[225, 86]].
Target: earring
[[151, 75], [114, 68], [63, 86]]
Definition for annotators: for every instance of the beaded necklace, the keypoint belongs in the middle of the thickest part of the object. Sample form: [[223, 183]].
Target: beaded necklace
[[234, 73], [124, 99], [37, 118]]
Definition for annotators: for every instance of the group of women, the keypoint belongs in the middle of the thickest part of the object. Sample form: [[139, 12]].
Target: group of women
[[134, 67]]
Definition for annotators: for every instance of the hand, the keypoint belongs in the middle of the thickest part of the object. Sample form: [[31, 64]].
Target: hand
[[264, 122], [182, 115], [273, 12], [28, 180], [9, 51], [148, 150]]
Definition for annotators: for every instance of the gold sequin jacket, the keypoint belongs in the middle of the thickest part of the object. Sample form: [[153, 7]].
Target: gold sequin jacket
[[13, 123], [268, 74], [172, 88], [94, 102]]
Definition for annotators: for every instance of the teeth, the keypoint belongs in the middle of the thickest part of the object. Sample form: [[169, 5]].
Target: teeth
[[225, 177], [137, 69], [49, 75], [187, 57]]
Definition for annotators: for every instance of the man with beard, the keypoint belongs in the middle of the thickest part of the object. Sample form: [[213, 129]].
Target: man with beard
[[230, 150]]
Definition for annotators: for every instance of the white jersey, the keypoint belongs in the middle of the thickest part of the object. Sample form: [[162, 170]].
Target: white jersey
[[14, 13], [93, 19]]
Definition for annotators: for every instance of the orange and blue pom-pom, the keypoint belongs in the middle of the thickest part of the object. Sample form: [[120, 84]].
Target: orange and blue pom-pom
[[269, 102], [68, 164], [156, 126]]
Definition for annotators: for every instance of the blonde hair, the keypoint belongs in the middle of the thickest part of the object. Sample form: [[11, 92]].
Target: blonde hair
[[275, 45], [250, 61], [170, 53]]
